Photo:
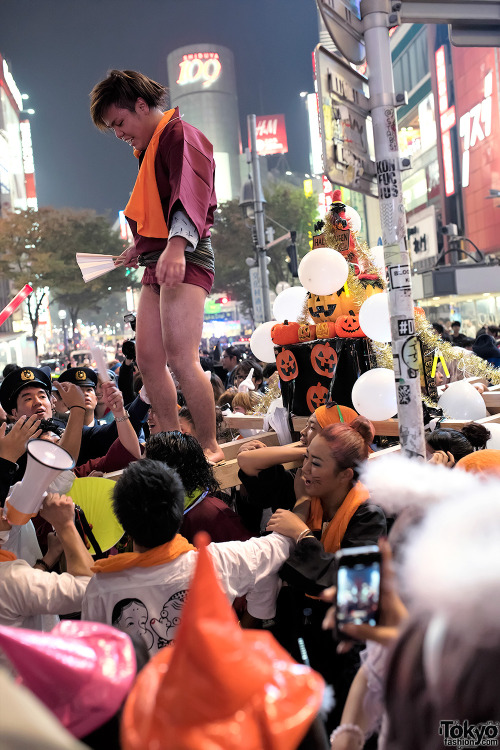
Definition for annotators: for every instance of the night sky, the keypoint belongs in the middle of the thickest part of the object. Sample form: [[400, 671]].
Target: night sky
[[58, 49]]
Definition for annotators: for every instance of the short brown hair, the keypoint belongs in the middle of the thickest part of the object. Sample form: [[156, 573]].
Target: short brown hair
[[122, 88]]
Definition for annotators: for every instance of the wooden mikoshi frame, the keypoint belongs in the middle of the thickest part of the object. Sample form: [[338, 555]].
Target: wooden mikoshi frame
[[226, 472]]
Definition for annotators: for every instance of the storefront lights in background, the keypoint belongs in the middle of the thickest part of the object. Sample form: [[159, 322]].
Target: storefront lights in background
[[314, 134], [271, 135], [447, 119], [11, 85], [475, 126]]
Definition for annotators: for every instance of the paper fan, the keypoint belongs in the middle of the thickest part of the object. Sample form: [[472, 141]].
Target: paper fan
[[94, 495], [93, 265]]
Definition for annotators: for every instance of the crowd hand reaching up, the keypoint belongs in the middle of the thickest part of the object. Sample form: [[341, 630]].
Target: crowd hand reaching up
[[442, 457], [71, 394], [58, 510], [171, 265], [393, 612], [13, 445], [113, 398], [127, 258], [287, 523]]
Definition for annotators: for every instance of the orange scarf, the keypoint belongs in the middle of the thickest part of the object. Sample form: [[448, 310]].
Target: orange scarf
[[165, 553], [6, 556], [144, 205], [334, 532]]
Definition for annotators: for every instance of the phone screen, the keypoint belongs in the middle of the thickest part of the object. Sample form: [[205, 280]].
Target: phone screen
[[358, 592]]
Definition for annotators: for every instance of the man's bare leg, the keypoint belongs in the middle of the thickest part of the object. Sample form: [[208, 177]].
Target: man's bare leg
[[182, 324], [152, 361]]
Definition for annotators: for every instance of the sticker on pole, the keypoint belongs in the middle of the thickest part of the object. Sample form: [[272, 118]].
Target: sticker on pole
[[400, 277]]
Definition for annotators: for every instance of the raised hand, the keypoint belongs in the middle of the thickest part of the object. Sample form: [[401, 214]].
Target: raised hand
[[13, 445]]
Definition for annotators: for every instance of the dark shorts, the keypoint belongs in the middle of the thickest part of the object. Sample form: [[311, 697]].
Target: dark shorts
[[194, 275]]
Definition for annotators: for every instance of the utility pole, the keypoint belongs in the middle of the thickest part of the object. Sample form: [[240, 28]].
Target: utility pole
[[259, 217], [405, 345], [364, 34]]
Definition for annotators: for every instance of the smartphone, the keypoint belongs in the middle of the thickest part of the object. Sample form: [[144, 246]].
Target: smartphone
[[358, 585]]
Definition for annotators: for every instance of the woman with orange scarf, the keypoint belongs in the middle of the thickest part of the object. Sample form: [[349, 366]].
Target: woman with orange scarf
[[170, 213], [338, 515]]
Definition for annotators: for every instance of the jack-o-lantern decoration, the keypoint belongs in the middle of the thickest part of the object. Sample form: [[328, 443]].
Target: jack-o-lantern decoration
[[323, 307], [347, 327], [306, 332], [325, 330], [324, 359], [316, 396], [286, 364], [285, 333], [346, 304]]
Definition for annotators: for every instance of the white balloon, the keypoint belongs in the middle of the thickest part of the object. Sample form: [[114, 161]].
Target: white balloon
[[261, 343], [461, 401], [353, 219], [374, 317], [281, 286], [378, 259], [374, 394], [494, 441], [289, 303], [323, 271]]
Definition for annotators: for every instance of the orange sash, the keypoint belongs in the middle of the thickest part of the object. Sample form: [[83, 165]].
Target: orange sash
[[6, 556], [144, 205], [165, 553], [334, 532]]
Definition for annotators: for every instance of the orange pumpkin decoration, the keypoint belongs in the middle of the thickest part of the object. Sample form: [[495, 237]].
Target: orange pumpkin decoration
[[323, 307], [323, 359], [306, 332], [286, 364], [346, 304], [325, 330], [285, 333], [316, 396], [347, 327]]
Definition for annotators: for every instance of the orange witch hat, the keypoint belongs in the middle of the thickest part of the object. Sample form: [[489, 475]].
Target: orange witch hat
[[219, 687]]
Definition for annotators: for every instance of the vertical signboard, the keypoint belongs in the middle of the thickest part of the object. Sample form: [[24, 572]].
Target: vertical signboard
[[477, 102], [257, 298], [346, 131]]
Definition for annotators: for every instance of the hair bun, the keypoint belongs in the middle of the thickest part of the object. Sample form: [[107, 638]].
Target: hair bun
[[363, 427], [477, 435]]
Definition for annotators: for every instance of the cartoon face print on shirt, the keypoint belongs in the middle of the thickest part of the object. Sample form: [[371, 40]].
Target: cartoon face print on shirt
[[166, 626], [131, 616]]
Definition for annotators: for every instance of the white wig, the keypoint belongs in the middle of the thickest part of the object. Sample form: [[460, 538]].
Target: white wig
[[451, 561]]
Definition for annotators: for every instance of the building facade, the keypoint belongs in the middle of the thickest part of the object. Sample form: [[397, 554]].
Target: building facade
[[202, 83], [448, 129], [17, 193]]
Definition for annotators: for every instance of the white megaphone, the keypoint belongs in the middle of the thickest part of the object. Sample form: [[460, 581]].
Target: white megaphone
[[45, 462]]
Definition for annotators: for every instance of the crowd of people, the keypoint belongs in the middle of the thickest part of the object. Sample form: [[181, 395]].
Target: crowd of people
[[274, 539], [483, 342], [159, 611]]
